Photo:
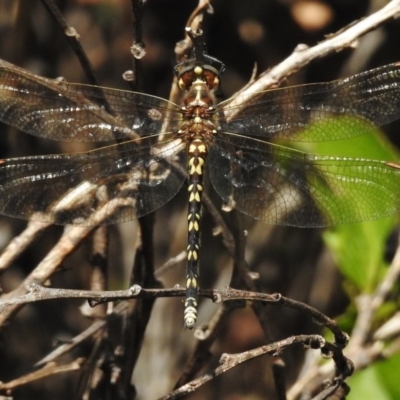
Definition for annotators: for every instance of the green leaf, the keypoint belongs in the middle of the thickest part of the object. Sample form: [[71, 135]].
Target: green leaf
[[358, 250], [378, 381]]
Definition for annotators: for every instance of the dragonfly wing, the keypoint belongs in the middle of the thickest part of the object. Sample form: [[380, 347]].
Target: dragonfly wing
[[108, 185], [57, 110], [373, 96], [283, 186]]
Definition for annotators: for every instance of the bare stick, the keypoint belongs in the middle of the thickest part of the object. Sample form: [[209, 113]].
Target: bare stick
[[345, 38], [19, 244], [47, 371], [229, 361]]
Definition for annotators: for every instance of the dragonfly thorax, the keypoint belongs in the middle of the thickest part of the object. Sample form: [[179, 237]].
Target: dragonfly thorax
[[199, 96], [198, 121]]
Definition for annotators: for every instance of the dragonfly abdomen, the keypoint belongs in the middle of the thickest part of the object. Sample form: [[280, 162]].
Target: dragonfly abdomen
[[197, 154]]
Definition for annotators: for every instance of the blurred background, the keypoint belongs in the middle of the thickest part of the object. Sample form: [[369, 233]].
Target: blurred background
[[295, 262]]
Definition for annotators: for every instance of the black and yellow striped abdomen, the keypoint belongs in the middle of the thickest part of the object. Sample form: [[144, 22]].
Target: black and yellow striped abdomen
[[197, 154]]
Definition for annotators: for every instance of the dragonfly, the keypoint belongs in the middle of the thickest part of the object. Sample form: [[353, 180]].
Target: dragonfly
[[155, 145]]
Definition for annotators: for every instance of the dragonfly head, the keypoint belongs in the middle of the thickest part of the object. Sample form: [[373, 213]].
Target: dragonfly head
[[200, 67], [194, 72]]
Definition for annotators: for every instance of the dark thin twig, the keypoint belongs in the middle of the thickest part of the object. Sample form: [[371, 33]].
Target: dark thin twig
[[227, 236], [139, 312], [99, 275], [73, 39], [278, 372], [138, 47], [194, 22], [65, 348], [143, 274], [92, 369], [184, 47], [101, 355]]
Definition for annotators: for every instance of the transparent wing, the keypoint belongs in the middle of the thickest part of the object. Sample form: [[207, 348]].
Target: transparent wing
[[373, 96], [282, 186], [108, 185], [72, 112]]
